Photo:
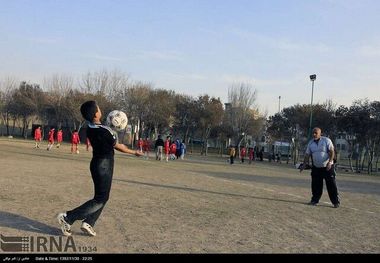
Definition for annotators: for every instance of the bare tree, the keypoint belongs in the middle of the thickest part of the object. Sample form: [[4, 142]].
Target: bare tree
[[161, 110], [59, 88], [25, 104], [185, 116], [242, 100], [210, 114], [133, 99], [7, 87], [107, 83]]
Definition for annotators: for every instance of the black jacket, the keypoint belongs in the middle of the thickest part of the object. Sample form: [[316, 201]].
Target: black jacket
[[159, 142]]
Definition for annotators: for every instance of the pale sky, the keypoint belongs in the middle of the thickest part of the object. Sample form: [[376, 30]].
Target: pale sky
[[196, 47]]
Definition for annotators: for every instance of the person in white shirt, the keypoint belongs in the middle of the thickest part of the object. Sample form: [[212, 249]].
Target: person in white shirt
[[321, 151]]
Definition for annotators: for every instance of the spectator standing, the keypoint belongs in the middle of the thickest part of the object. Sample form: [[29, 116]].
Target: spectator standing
[[158, 146]]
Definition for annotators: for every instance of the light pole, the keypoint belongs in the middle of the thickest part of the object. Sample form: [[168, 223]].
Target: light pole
[[312, 78], [279, 103]]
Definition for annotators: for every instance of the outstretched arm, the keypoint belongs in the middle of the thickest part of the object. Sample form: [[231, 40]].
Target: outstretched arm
[[123, 148]]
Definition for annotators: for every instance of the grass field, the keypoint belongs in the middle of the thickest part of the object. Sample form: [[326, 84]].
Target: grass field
[[197, 205]]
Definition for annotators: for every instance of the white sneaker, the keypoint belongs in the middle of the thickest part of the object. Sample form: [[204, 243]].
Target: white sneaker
[[65, 227], [87, 228]]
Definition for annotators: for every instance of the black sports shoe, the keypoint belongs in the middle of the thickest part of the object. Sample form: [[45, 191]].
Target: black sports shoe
[[336, 205], [312, 203]]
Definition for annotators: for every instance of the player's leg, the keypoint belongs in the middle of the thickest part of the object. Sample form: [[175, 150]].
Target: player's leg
[[51, 145], [316, 185], [160, 151], [101, 194], [101, 172], [332, 189]]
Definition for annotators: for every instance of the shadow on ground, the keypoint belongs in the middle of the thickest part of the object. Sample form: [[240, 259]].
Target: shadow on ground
[[208, 191], [19, 222]]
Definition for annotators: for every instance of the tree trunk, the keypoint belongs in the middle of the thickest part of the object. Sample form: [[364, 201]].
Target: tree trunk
[[294, 153], [371, 155], [350, 163], [358, 159], [25, 128], [221, 147], [7, 123], [186, 134], [206, 147], [362, 160], [156, 131], [14, 126]]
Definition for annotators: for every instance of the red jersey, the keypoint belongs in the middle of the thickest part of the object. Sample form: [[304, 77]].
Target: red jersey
[[59, 136], [251, 153], [37, 134], [75, 138], [51, 136], [166, 146], [173, 148], [146, 145], [243, 152], [139, 143]]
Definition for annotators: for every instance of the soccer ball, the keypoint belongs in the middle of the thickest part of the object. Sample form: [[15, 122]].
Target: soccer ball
[[117, 120]]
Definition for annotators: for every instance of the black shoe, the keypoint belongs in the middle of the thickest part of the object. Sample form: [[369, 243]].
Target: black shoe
[[336, 205], [312, 203]]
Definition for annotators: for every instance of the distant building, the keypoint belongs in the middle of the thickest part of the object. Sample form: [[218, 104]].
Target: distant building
[[342, 144]]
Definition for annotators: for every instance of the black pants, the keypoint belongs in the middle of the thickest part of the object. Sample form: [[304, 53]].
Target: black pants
[[317, 176], [89, 212]]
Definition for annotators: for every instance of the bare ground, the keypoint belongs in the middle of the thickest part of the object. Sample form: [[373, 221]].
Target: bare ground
[[196, 205]]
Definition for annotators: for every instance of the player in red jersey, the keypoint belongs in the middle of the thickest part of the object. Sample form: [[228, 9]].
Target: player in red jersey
[[50, 139], [167, 147], [140, 145], [243, 153], [75, 141], [173, 150], [59, 137], [146, 147], [37, 136]]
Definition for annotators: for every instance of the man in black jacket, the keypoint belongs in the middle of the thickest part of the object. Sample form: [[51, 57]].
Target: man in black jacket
[[158, 146]]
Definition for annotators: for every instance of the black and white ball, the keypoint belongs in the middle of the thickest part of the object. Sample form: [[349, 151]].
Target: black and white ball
[[117, 120]]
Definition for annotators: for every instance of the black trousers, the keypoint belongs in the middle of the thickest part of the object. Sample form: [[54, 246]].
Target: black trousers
[[89, 212], [317, 177]]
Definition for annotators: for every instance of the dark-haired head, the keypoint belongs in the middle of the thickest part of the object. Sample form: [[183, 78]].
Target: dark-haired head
[[88, 110]]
